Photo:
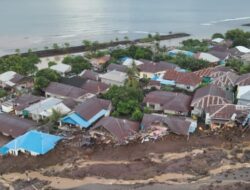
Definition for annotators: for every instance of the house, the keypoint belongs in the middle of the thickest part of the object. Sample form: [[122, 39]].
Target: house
[[207, 57], [177, 125], [226, 81], [117, 67], [246, 58], [114, 78], [12, 79], [14, 126], [7, 106], [95, 87], [218, 115], [168, 102], [100, 61], [222, 55], [243, 80], [175, 52], [218, 40], [212, 73], [119, 129], [184, 80], [243, 49], [44, 109], [75, 81], [150, 69], [87, 113], [243, 95], [61, 68], [64, 91], [89, 75], [24, 101], [33, 142], [128, 62], [239, 51], [207, 96]]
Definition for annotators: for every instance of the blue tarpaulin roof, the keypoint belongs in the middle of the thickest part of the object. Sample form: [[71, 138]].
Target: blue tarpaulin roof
[[35, 142]]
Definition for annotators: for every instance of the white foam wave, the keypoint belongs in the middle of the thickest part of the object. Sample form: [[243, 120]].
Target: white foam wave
[[141, 32], [123, 32], [225, 20]]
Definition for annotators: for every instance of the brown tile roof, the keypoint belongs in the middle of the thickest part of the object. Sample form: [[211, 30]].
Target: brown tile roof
[[204, 72], [153, 67], [70, 103], [243, 80], [73, 81], [26, 100], [17, 78], [91, 107], [222, 55], [89, 74], [94, 87], [213, 72], [227, 79], [121, 129], [101, 60], [169, 100], [186, 78], [209, 95], [65, 90], [14, 126], [117, 67], [176, 125]]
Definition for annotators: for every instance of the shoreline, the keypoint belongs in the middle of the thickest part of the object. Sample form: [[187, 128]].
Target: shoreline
[[82, 48]]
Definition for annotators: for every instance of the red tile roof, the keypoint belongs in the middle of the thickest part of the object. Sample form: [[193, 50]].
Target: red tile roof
[[186, 78]]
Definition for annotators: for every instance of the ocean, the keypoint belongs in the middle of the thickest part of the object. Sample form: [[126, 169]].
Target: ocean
[[38, 23]]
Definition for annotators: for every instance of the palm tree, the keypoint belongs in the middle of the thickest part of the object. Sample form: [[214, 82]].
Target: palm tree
[[55, 46], [126, 38], [17, 51], [132, 73]]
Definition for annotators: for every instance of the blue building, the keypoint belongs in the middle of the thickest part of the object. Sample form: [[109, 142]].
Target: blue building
[[175, 52], [33, 142], [87, 113]]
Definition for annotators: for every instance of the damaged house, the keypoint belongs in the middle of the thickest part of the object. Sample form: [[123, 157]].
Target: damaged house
[[159, 125], [168, 102], [219, 115], [114, 129]]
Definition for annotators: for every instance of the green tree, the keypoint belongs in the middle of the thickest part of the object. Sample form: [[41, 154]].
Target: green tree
[[55, 116], [235, 64], [51, 63], [133, 75], [78, 63], [218, 35], [3, 93], [125, 100], [239, 37], [137, 115], [55, 46]]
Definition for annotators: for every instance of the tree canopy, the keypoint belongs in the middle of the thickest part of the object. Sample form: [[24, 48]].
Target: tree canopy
[[195, 45], [44, 77], [239, 37], [133, 51], [126, 101], [78, 63], [24, 65]]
